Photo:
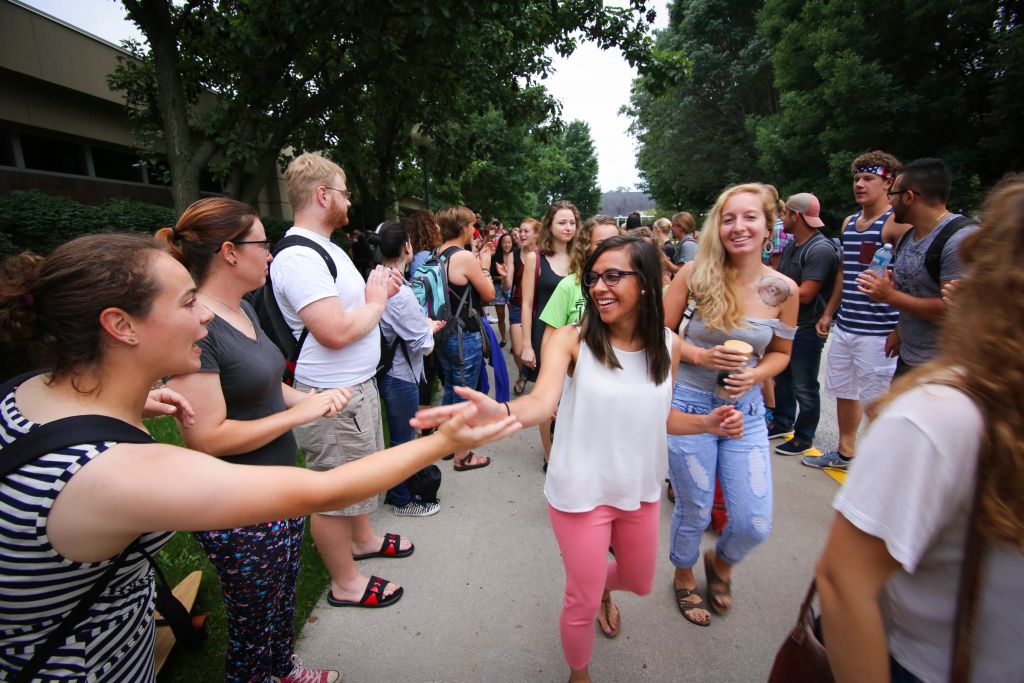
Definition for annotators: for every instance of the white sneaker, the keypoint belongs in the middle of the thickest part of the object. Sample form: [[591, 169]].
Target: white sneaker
[[418, 508], [492, 319], [303, 674]]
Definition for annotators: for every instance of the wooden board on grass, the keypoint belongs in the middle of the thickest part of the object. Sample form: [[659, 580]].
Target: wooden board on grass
[[185, 592]]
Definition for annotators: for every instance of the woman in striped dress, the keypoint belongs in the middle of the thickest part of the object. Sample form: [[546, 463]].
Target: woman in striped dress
[[108, 315]]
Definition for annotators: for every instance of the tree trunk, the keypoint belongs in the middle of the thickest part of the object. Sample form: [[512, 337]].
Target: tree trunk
[[154, 18]]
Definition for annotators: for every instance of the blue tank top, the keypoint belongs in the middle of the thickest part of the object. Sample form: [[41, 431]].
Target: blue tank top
[[859, 314]]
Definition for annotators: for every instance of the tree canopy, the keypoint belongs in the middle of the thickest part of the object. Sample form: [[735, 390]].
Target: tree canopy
[[790, 91], [233, 82]]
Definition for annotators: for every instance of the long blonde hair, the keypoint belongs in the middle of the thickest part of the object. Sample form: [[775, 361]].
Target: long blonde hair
[[713, 281], [981, 339]]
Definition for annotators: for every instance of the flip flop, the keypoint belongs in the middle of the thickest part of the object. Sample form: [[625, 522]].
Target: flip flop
[[373, 596], [717, 586], [686, 607], [391, 547], [609, 632], [520, 386], [459, 467]]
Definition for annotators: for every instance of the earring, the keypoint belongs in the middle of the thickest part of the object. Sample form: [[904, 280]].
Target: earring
[[643, 291], [130, 340], [768, 246]]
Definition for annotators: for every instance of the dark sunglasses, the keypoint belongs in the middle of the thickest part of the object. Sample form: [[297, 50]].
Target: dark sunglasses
[[610, 277]]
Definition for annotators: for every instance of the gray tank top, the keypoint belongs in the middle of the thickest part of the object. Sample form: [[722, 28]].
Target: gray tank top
[[758, 334]]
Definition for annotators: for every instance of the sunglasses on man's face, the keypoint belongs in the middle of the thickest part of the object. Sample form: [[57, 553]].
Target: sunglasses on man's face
[[610, 277]]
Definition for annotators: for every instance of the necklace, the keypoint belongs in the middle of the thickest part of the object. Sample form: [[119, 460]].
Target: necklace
[[941, 216], [237, 311]]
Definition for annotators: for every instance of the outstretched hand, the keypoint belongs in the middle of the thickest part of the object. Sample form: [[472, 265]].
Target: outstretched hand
[[466, 432], [485, 410], [164, 401]]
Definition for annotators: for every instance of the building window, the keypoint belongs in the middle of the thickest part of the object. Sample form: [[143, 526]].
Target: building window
[[47, 154], [109, 163]]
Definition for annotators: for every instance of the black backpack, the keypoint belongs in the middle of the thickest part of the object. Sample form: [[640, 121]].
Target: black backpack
[[933, 257], [387, 355], [425, 483], [71, 431], [268, 311]]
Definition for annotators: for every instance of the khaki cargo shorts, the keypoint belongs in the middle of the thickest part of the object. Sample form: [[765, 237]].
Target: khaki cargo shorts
[[332, 441]]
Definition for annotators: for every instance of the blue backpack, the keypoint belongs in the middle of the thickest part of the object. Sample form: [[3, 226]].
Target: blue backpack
[[430, 285]]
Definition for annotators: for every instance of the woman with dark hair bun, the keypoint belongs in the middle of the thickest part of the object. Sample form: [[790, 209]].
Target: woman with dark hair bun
[[611, 378], [108, 316], [411, 334], [245, 414]]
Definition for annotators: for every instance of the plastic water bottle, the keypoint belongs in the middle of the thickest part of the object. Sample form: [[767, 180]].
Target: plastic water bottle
[[881, 259]]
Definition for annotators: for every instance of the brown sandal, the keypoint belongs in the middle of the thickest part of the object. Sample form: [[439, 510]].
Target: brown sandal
[[604, 619], [465, 465], [718, 587], [686, 607]]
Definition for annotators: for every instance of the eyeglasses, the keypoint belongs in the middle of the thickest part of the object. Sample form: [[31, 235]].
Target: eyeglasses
[[266, 244], [345, 194], [610, 277], [899, 191]]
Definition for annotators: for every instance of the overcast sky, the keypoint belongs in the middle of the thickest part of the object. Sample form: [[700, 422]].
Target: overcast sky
[[591, 84]]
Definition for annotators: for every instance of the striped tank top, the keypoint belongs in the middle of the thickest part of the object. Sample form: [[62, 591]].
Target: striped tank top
[[858, 314], [39, 587]]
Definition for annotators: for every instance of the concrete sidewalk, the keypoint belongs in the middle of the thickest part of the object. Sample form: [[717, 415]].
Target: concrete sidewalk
[[483, 590]]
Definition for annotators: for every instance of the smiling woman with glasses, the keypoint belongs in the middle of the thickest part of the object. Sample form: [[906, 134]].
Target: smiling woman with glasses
[[611, 379]]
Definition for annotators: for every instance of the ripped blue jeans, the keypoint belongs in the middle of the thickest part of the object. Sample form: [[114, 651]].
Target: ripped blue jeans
[[743, 467]]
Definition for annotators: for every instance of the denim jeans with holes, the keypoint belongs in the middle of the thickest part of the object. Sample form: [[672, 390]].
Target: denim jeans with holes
[[743, 467]]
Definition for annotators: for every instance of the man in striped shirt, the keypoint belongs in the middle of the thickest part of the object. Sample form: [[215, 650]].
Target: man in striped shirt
[[857, 368]]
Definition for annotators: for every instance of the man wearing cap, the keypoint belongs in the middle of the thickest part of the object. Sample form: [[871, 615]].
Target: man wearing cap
[[811, 260], [857, 369]]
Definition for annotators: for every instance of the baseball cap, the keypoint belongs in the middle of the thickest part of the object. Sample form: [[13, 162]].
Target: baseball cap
[[808, 206]]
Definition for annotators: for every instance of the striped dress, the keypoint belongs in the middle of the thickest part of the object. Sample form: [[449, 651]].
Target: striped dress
[[38, 587], [859, 314]]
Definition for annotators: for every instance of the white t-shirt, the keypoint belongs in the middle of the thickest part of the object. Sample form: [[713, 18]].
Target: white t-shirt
[[301, 277], [610, 446], [911, 486]]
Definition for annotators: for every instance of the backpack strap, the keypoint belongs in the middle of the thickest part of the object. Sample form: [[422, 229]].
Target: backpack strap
[[47, 438], [278, 317], [933, 257]]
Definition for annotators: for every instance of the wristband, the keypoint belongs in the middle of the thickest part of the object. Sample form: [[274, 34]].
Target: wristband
[[507, 408]]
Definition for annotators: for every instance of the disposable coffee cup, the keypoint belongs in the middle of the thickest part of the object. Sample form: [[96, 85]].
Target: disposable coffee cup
[[722, 390]]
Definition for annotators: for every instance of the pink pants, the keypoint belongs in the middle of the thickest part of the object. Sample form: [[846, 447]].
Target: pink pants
[[583, 538]]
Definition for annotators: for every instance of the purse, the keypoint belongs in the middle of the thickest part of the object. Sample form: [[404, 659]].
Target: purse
[[803, 658]]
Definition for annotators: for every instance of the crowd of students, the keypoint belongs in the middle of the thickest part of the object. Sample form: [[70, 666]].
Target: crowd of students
[[656, 358]]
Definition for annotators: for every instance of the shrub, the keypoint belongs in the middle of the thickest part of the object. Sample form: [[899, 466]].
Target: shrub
[[30, 219]]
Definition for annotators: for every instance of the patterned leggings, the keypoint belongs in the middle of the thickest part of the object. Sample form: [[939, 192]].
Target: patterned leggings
[[258, 567]]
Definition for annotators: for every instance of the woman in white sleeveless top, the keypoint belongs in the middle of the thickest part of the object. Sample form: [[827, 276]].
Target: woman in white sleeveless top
[[609, 455]]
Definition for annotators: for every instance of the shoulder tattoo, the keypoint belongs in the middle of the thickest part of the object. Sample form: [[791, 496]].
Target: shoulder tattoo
[[773, 290]]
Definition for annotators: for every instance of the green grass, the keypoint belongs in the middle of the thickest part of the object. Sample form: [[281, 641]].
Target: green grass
[[183, 555]]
